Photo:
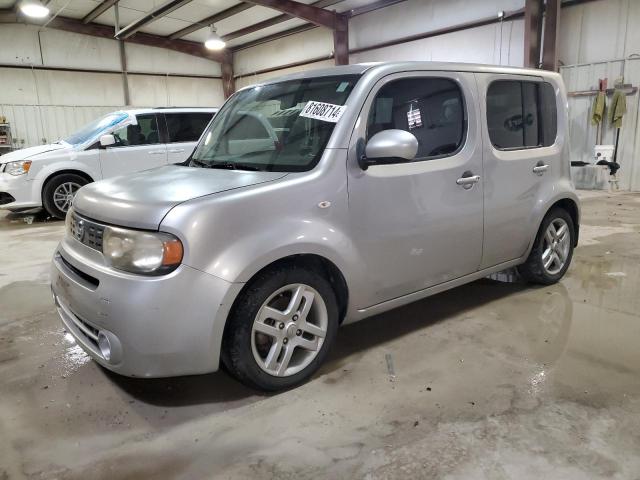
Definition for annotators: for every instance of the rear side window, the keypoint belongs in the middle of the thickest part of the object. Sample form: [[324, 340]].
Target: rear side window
[[521, 114], [186, 127], [430, 108]]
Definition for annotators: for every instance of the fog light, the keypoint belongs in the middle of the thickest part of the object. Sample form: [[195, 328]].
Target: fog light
[[105, 346]]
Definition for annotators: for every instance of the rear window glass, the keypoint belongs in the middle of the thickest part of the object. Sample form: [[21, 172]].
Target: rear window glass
[[186, 127], [521, 114]]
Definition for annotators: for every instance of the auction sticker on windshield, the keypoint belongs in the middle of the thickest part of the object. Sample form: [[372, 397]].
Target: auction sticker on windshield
[[326, 112]]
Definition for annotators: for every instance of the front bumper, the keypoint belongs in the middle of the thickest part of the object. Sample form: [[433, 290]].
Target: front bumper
[[158, 326], [20, 188]]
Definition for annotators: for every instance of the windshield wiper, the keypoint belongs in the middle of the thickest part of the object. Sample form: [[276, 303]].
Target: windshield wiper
[[197, 162], [234, 166]]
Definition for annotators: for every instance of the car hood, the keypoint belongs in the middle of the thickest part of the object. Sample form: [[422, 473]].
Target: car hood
[[33, 152], [143, 199]]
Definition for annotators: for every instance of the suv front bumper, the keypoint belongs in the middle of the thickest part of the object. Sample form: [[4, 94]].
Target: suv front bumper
[[157, 326]]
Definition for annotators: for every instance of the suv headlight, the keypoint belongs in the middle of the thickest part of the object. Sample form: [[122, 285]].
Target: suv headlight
[[17, 168], [134, 251]]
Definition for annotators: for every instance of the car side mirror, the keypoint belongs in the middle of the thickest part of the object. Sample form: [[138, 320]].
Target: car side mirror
[[107, 140], [387, 147]]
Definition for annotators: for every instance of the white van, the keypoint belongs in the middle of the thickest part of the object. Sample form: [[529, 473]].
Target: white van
[[119, 143]]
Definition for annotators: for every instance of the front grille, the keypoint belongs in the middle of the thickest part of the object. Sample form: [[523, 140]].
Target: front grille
[[84, 276], [90, 332], [86, 231]]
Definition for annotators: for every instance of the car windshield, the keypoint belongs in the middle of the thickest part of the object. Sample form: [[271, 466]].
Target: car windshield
[[279, 127], [95, 128]]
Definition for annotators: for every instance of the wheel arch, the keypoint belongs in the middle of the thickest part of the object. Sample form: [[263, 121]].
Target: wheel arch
[[317, 263], [571, 207], [52, 175]]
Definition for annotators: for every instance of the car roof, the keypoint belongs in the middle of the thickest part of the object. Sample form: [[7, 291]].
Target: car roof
[[394, 67]]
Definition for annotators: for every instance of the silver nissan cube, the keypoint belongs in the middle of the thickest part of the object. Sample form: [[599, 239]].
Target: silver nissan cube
[[315, 200]]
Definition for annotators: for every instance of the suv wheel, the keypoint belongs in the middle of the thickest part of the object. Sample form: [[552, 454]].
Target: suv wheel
[[552, 251], [58, 193], [281, 329]]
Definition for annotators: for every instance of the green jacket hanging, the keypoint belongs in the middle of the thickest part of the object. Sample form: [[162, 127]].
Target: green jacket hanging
[[618, 108], [599, 103]]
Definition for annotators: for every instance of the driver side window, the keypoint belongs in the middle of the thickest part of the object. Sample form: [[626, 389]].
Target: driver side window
[[432, 109], [144, 133]]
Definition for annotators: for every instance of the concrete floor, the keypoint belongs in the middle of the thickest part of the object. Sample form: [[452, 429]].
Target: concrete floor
[[492, 380]]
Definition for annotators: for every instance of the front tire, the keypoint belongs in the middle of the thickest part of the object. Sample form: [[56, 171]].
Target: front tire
[[552, 251], [59, 191], [281, 328]]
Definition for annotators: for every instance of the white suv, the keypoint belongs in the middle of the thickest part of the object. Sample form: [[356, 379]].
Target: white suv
[[119, 143]]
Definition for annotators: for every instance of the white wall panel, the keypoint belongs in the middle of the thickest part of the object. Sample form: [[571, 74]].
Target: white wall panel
[[195, 92], [20, 45], [18, 86], [75, 88], [419, 16], [147, 90], [293, 48], [72, 50], [168, 91], [478, 45], [141, 58], [599, 31]]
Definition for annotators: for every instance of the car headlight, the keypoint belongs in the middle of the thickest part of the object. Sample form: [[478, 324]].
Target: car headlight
[[18, 168], [151, 253]]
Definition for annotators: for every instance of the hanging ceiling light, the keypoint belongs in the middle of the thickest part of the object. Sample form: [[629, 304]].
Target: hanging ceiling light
[[34, 8], [213, 41]]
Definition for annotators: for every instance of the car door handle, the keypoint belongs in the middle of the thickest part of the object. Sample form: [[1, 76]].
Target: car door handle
[[468, 182], [176, 150], [540, 169], [157, 152]]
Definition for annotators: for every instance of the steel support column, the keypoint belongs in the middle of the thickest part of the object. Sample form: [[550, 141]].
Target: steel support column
[[123, 58], [551, 32], [341, 40], [532, 32], [228, 80]]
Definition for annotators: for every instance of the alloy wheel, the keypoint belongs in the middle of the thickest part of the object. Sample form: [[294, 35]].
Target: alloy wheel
[[64, 194], [289, 330], [556, 246]]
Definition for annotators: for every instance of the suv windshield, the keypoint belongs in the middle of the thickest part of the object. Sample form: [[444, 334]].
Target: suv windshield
[[94, 128], [279, 127]]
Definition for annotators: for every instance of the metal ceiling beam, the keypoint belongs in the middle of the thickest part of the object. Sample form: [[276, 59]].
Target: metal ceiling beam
[[374, 6], [270, 22], [105, 31], [158, 12], [99, 10], [308, 26], [275, 36], [205, 22], [316, 15]]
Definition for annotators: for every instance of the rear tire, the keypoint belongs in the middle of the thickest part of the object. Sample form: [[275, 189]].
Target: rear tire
[[552, 250], [59, 191], [281, 328]]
